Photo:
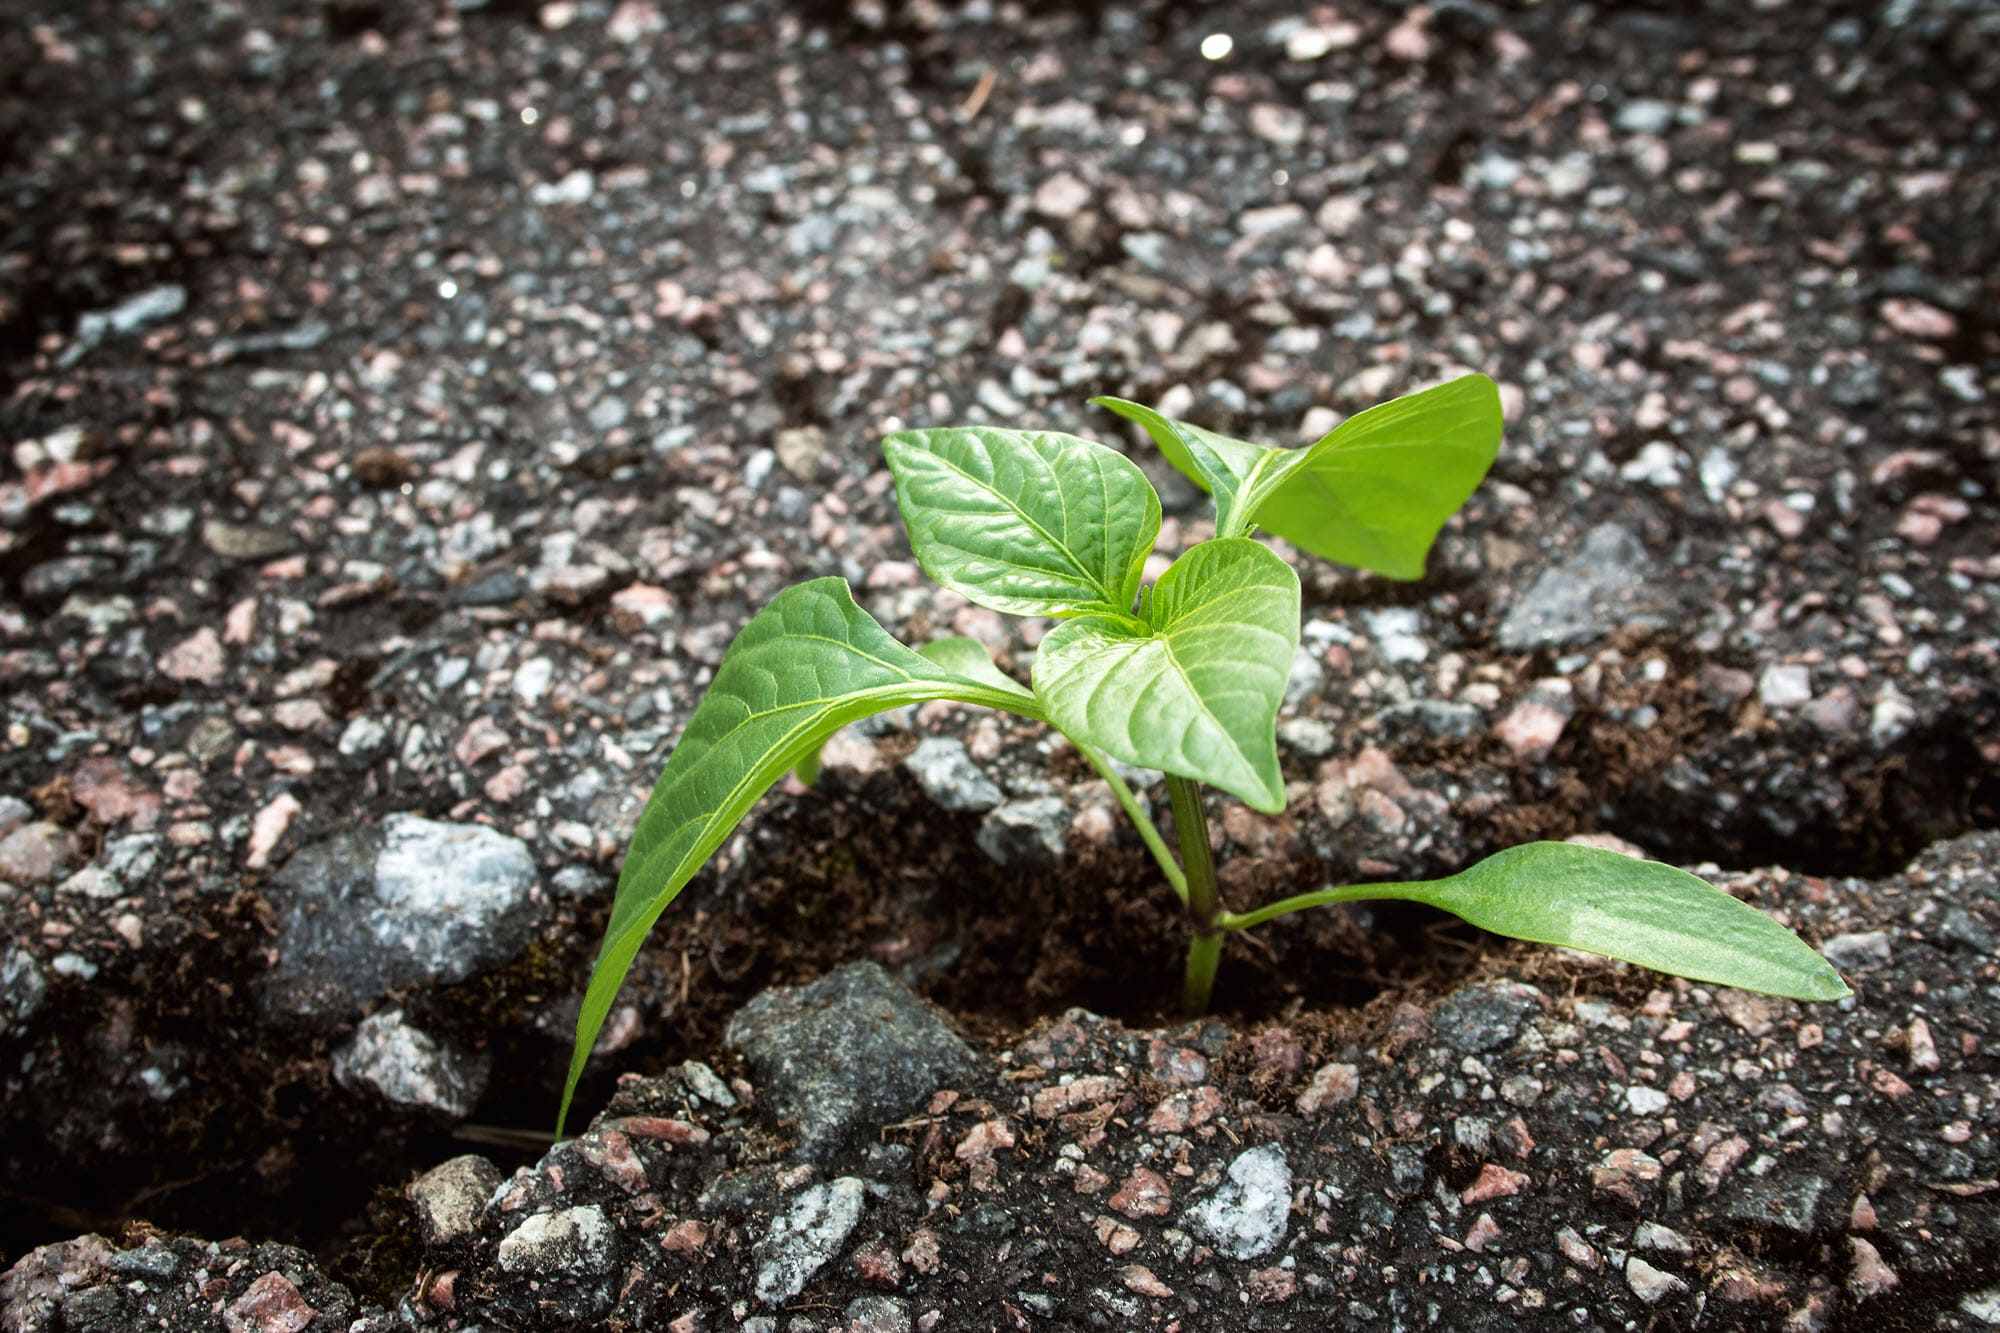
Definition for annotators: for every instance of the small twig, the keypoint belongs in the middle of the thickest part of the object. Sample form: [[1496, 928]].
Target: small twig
[[976, 100]]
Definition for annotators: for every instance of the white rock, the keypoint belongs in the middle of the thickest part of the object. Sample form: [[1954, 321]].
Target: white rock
[[1648, 1283], [405, 1065], [804, 1237], [573, 1241], [1246, 1216], [1785, 685]]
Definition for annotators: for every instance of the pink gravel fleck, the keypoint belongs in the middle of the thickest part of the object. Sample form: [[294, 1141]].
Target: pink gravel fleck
[[1495, 1182], [197, 659], [269, 827]]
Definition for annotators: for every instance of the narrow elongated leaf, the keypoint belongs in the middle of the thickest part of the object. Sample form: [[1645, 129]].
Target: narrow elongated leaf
[[1641, 911], [1194, 691], [1372, 493], [1375, 491], [808, 664], [1032, 523]]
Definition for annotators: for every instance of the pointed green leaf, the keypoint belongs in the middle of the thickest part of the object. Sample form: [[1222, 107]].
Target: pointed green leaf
[[1372, 493], [1195, 691], [1375, 491], [968, 657], [1641, 911], [808, 664], [1032, 523], [1216, 463]]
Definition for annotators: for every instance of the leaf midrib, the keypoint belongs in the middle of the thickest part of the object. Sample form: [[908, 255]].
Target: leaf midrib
[[1061, 547]]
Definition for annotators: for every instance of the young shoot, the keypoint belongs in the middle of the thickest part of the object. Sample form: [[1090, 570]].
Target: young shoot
[[1184, 677]]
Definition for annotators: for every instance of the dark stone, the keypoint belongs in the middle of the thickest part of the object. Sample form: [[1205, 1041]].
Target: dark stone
[[497, 589], [1783, 1203], [1485, 1018], [845, 1054]]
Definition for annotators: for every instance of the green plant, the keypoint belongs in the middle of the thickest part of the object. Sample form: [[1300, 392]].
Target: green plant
[[1184, 677]]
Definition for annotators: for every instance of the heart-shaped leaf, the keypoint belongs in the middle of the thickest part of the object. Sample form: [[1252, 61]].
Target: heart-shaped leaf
[[1218, 464], [1372, 493], [1195, 690], [1033, 523], [1375, 491], [808, 664]]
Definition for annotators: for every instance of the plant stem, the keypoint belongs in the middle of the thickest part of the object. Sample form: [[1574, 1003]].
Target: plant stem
[[1204, 905], [1420, 892], [1149, 832]]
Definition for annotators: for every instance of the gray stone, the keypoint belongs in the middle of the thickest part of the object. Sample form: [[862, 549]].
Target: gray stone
[[1029, 831], [146, 1261], [37, 853], [449, 1199], [133, 859], [32, 1291], [1602, 587], [406, 1066], [1858, 951], [573, 1243], [1786, 1203], [1648, 1283], [1645, 115], [706, 1084], [1434, 717], [244, 541], [14, 812], [414, 902], [23, 988], [1784, 685], [363, 738], [1307, 736], [1398, 632], [845, 1054], [876, 1314], [1246, 1216], [128, 316], [948, 776], [1485, 1018], [807, 1235]]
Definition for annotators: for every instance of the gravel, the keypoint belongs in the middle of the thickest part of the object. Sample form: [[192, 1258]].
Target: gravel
[[843, 1053]]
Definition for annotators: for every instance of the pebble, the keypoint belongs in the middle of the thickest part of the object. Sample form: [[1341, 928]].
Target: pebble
[[38, 853], [1785, 686], [272, 1304], [572, 1242], [1031, 830], [450, 1198], [853, 1050], [405, 1066], [1331, 1085], [1648, 1283], [1486, 1017], [413, 902], [1599, 589], [196, 660], [1247, 1215], [1857, 951], [950, 778], [23, 988], [806, 1236]]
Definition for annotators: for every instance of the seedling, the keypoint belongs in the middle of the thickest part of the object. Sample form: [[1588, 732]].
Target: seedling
[[1185, 676]]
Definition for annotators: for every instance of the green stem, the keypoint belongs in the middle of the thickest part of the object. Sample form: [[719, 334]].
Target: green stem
[[1204, 904], [1149, 832], [1422, 891]]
